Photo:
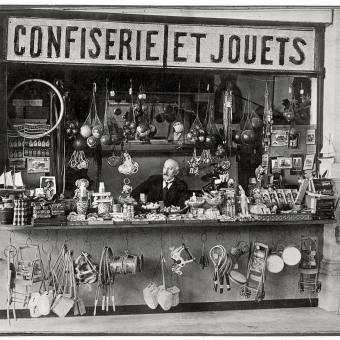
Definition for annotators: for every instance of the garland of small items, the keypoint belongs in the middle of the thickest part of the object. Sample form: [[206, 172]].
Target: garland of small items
[[227, 119], [194, 163], [178, 125], [267, 128]]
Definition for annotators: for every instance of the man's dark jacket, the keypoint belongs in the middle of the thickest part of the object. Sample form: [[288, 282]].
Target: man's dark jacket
[[153, 188]]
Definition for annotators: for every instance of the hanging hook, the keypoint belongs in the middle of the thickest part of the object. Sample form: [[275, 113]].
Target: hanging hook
[[127, 240], [10, 237], [204, 237], [219, 236], [182, 238]]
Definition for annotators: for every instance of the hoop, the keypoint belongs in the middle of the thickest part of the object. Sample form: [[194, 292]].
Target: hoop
[[61, 111]]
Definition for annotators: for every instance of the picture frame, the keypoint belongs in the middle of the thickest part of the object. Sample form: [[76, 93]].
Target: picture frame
[[310, 137], [294, 143], [38, 165], [265, 196], [18, 163], [289, 196], [279, 138], [265, 160], [297, 165], [281, 197], [284, 162], [48, 184], [275, 166], [309, 162]]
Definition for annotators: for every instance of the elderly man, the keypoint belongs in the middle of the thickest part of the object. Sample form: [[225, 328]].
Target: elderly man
[[167, 187]]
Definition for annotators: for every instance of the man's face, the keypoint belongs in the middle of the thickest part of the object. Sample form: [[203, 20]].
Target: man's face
[[169, 170]]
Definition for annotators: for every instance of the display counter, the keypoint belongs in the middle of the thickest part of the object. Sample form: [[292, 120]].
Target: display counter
[[172, 224], [195, 284]]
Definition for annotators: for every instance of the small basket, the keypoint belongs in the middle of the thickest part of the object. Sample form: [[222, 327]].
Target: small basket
[[283, 217]]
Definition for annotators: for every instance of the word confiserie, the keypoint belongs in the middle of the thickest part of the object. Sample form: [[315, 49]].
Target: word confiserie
[[159, 45]]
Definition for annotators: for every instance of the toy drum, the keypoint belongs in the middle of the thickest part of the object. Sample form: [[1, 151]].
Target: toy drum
[[175, 295], [237, 277], [291, 255], [275, 263]]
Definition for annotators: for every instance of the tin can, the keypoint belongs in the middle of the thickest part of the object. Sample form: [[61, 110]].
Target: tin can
[[142, 197], [116, 208]]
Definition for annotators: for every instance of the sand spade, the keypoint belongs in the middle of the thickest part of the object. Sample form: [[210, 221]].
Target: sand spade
[[79, 306], [10, 252], [64, 300]]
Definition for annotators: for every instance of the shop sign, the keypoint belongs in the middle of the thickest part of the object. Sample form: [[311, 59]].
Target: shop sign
[[84, 42], [184, 46], [241, 48]]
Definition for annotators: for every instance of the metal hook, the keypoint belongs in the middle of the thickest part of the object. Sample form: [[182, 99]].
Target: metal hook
[[10, 237], [127, 240], [29, 241], [161, 240], [204, 237], [219, 236], [182, 238]]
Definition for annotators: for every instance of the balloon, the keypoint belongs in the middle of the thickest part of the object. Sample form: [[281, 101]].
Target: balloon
[[79, 143], [92, 141], [256, 123], [105, 139], [248, 137], [237, 137], [97, 131], [178, 127], [85, 131]]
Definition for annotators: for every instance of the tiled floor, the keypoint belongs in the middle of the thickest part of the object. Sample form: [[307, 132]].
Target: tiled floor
[[299, 321]]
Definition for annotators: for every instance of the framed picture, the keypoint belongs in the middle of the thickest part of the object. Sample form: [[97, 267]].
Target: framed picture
[[281, 196], [279, 138], [289, 196], [48, 184], [284, 162], [265, 196], [18, 163], [297, 164], [275, 166], [294, 143], [265, 160], [38, 164], [309, 162], [310, 136]]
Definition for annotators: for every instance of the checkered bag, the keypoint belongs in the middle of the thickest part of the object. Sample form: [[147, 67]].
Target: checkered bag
[[20, 212]]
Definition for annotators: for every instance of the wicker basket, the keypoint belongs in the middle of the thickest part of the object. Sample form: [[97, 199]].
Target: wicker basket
[[283, 217]]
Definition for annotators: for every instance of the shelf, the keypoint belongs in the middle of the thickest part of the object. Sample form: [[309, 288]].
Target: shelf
[[140, 148], [205, 224]]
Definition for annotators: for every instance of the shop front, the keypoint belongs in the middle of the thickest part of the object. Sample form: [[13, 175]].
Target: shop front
[[161, 162]]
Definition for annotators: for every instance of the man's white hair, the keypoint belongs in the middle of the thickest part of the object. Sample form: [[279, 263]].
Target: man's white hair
[[174, 164]]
